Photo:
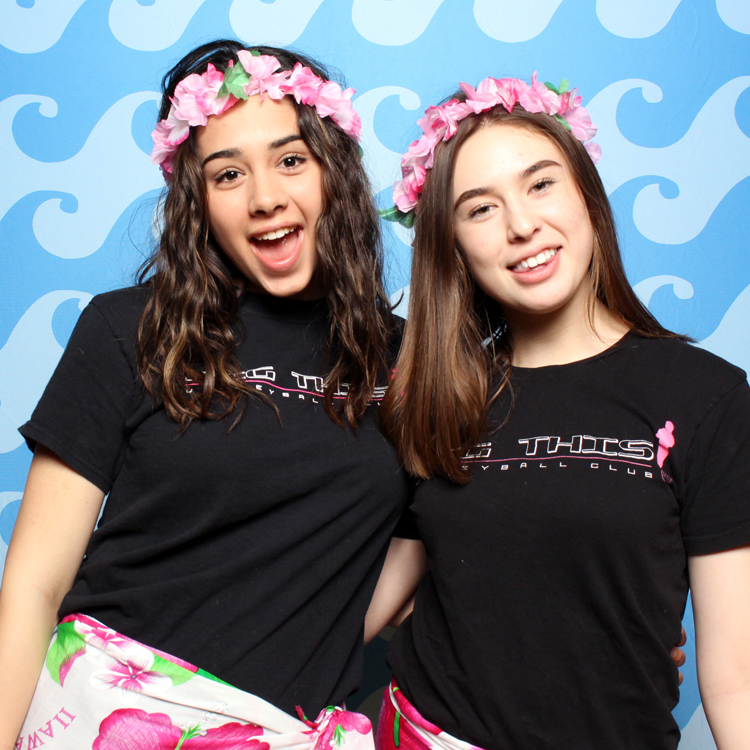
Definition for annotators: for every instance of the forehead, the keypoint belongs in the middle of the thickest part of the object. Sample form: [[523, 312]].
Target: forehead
[[250, 123], [501, 152]]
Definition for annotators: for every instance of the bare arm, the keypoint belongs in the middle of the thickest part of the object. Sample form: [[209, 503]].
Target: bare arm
[[58, 513], [405, 565], [720, 586]]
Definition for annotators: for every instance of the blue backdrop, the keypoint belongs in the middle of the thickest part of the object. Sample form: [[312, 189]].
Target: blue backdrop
[[665, 80]]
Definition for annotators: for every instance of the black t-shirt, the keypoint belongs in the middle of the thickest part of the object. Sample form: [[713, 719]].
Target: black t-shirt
[[251, 552], [558, 574]]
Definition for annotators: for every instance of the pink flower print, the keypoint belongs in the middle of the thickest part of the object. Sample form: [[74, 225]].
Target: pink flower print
[[130, 671], [98, 635], [133, 729], [333, 724], [232, 736], [665, 436]]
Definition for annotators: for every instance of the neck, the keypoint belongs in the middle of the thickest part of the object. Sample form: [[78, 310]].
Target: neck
[[562, 337]]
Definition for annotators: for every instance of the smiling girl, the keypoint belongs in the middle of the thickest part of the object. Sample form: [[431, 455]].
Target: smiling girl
[[582, 464], [227, 407]]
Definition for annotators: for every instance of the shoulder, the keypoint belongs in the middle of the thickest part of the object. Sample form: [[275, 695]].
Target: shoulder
[[682, 367], [121, 309]]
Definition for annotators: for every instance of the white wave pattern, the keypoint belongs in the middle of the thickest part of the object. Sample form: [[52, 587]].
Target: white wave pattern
[[636, 19], [383, 165], [149, 28], [714, 138], [393, 23], [511, 21], [735, 14], [109, 150], [279, 23], [645, 289], [697, 734], [35, 29], [27, 362], [731, 339]]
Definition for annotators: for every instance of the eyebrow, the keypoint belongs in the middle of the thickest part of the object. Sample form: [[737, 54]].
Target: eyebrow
[[469, 194], [230, 153]]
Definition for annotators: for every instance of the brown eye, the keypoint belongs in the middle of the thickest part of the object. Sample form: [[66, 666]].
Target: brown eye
[[228, 175], [292, 160]]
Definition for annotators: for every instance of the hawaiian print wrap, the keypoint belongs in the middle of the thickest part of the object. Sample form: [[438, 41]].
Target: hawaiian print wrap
[[104, 691], [402, 727]]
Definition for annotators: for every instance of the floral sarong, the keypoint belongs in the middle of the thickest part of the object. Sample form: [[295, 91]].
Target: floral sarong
[[104, 691], [402, 727]]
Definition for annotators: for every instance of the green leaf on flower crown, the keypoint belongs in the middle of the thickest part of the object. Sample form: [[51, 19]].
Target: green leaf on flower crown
[[394, 214], [67, 647], [255, 53], [564, 86], [175, 672], [562, 121], [234, 79], [552, 87]]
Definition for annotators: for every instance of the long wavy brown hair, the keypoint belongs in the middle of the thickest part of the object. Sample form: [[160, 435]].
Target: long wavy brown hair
[[188, 331], [456, 345]]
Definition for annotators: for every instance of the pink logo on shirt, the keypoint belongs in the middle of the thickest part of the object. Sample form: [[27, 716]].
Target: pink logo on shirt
[[666, 441]]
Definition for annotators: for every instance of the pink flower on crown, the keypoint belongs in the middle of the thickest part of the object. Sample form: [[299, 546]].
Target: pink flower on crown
[[195, 97], [334, 103], [420, 152], [594, 151], [491, 91], [537, 97], [580, 124], [263, 77], [303, 84], [406, 191], [441, 122]]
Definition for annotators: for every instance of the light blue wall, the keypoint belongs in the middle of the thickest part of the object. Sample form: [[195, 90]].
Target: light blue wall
[[666, 81]]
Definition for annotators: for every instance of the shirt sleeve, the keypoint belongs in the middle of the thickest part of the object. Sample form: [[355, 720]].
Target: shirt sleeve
[[716, 512], [82, 413], [406, 528]]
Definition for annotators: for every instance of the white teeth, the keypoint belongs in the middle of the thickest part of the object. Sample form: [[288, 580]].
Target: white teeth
[[537, 260], [275, 235]]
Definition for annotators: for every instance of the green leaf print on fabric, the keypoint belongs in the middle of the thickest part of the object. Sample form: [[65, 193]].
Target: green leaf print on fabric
[[209, 676], [175, 672], [65, 649]]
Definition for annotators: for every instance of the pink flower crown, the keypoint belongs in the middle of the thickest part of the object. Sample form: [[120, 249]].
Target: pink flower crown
[[213, 92], [440, 123]]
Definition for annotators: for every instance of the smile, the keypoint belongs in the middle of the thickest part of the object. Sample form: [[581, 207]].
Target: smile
[[536, 260], [278, 249]]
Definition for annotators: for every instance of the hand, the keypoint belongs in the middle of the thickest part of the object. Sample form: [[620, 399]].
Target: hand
[[678, 655]]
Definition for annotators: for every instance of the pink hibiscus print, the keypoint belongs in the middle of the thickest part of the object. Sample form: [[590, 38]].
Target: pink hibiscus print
[[332, 726], [133, 729]]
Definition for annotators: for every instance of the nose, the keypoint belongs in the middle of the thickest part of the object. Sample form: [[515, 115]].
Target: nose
[[521, 221], [267, 194]]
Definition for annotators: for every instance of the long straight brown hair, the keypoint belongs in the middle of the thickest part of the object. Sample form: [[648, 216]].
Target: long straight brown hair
[[456, 342], [188, 332]]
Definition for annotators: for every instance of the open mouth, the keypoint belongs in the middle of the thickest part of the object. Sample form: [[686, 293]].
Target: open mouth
[[278, 248], [542, 259]]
